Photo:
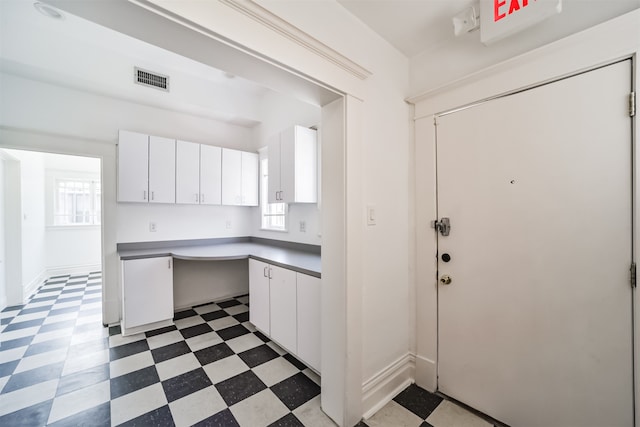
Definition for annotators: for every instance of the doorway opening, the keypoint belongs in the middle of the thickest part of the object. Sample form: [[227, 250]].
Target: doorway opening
[[51, 220]]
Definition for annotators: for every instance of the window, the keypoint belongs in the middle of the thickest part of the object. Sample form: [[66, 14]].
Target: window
[[76, 202], [274, 215]]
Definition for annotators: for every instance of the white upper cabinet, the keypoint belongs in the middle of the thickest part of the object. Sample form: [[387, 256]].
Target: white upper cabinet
[[162, 170], [187, 172], [210, 175], [249, 178], [198, 173], [152, 169], [239, 178], [231, 177], [133, 167], [293, 166]]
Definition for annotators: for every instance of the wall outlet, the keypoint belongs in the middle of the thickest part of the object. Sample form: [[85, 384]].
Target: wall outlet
[[152, 227], [303, 227], [228, 224]]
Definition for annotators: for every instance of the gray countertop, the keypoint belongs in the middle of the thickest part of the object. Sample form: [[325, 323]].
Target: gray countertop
[[298, 260]]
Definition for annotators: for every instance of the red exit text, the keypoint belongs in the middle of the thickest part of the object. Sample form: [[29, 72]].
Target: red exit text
[[500, 11]]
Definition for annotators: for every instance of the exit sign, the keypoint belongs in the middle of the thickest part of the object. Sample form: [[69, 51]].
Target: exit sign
[[501, 18]]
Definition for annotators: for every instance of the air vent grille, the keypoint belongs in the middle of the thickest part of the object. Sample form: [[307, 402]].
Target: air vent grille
[[151, 79]]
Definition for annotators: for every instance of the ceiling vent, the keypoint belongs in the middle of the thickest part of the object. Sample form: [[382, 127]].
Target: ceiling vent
[[151, 79]]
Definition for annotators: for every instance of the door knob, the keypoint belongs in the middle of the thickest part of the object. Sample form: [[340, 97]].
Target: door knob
[[445, 279]]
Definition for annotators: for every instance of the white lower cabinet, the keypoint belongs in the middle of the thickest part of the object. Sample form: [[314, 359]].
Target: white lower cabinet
[[308, 305], [282, 296], [259, 295], [147, 291], [285, 305]]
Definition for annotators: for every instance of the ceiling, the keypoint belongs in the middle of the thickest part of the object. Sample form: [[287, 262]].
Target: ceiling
[[417, 26]]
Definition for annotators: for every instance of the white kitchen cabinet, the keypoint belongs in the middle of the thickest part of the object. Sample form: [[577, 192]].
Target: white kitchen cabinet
[[187, 172], [282, 299], [133, 167], [210, 175], [198, 173], [162, 170], [249, 179], [293, 166], [308, 304], [259, 311], [239, 178], [147, 289]]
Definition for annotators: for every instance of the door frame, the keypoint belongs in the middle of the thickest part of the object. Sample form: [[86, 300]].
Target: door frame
[[612, 41], [632, 156]]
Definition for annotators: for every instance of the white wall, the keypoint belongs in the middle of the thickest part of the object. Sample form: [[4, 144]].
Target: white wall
[[457, 57], [279, 112], [55, 109]]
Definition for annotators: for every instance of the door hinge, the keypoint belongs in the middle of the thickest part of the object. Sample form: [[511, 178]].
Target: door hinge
[[633, 274], [632, 104], [443, 226]]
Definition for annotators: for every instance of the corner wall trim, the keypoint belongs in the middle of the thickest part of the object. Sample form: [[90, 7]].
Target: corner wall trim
[[386, 384], [285, 29], [31, 287]]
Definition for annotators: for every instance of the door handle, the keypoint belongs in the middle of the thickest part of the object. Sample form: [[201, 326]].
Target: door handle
[[445, 279], [265, 272]]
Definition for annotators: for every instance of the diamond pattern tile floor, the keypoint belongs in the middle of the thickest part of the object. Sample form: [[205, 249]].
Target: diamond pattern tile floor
[[60, 366]]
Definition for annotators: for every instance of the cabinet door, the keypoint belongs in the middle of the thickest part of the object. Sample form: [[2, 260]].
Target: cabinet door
[[133, 167], [210, 175], [273, 183], [259, 295], [309, 297], [305, 166], [287, 165], [249, 179], [231, 177], [283, 307], [162, 170], [187, 172], [147, 287]]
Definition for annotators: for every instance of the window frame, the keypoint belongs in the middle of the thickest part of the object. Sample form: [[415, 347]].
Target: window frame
[[94, 213]]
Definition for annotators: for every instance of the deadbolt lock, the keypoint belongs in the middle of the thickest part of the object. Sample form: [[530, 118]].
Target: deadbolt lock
[[445, 279]]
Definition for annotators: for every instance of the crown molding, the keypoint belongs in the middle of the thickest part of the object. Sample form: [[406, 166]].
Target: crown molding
[[264, 17]]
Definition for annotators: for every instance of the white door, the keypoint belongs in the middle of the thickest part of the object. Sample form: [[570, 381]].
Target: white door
[[274, 169], [133, 167], [309, 296], [210, 175], [187, 172], [535, 328], [259, 295], [162, 170], [282, 297], [249, 179], [148, 291], [3, 286], [231, 177]]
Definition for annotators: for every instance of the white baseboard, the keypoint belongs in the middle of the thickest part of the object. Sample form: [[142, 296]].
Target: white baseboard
[[386, 384], [73, 269], [30, 288], [426, 373]]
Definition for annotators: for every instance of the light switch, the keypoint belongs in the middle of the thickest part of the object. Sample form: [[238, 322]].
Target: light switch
[[371, 215]]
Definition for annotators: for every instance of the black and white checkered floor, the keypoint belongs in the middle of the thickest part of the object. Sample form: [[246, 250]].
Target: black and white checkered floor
[[60, 366]]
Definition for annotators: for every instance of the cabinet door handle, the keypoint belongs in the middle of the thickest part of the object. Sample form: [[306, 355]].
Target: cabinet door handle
[[153, 195], [270, 273], [169, 264], [265, 272], [196, 197], [202, 198], [144, 195]]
